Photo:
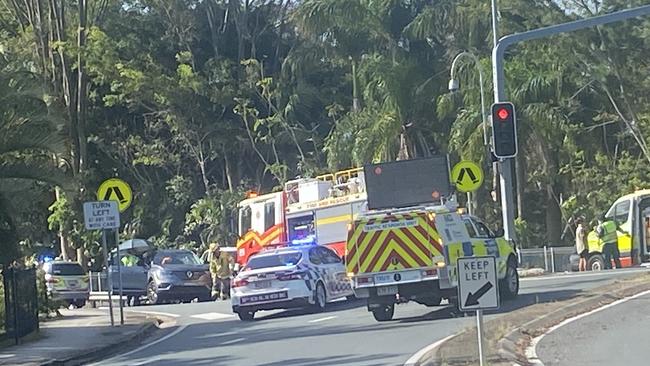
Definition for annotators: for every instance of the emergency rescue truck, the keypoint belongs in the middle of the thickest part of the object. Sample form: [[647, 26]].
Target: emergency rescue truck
[[307, 211], [405, 248], [632, 214]]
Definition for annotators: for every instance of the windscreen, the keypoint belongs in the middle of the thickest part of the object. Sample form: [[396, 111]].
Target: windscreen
[[164, 258], [407, 182], [67, 269], [274, 260]]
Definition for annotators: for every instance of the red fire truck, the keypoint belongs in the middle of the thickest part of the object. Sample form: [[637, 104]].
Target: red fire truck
[[308, 210]]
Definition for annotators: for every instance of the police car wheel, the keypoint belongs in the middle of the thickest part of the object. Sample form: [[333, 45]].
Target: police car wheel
[[384, 313], [246, 315], [320, 297]]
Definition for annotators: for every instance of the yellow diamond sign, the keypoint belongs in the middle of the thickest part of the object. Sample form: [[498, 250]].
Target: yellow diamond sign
[[467, 176], [115, 189]]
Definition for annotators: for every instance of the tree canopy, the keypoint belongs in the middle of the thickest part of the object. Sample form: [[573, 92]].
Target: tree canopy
[[193, 102]]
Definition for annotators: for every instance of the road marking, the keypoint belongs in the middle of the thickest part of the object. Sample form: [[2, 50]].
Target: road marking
[[531, 351], [162, 339], [322, 319], [153, 313], [600, 273], [415, 359], [236, 340], [213, 316]]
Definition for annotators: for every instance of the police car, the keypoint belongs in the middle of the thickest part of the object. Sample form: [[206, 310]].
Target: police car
[[287, 277]]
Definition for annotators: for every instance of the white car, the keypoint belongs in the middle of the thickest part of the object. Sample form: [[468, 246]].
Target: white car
[[289, 277]]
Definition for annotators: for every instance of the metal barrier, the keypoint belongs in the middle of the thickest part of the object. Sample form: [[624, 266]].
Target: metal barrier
[[551, 259], [21, 302]]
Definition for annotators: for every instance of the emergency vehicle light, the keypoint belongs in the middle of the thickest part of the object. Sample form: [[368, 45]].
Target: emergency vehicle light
[[251, 194], [441, 264], [308, 240]]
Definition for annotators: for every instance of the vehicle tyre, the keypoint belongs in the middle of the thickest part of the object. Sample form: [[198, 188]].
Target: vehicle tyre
[[80, 303], [320, 298], [245, 315], [384, 313], [351, 298], [152, 293], [509, 286], [596, 263]]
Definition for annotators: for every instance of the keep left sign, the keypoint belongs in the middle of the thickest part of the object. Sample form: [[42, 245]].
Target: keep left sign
[[101, 215]]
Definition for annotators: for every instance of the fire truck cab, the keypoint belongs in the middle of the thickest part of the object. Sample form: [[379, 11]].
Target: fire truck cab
[[307, 211]]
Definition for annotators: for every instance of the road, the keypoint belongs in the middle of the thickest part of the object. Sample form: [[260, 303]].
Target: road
[[346, 334], [617, 335]]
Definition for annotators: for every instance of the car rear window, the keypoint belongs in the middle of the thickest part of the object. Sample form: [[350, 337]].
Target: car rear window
[[67, 269], [274, 260]]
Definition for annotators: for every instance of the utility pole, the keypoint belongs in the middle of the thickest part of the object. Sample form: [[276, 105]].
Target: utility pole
[[498, 55]]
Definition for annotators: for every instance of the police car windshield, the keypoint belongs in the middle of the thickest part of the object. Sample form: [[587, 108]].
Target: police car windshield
[[274, 260]]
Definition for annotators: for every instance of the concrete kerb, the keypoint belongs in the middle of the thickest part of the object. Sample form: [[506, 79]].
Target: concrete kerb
[[510, 347], [100, 352]]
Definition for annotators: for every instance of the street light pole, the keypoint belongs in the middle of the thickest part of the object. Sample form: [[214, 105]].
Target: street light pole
[[455, 85]]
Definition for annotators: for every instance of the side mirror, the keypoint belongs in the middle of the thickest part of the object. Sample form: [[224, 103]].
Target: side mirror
[[499, 233]]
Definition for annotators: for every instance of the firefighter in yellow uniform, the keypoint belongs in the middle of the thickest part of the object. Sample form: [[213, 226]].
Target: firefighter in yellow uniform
[[220, 270]]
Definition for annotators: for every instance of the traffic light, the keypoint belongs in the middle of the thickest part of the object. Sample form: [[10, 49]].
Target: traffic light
[[504, 130]]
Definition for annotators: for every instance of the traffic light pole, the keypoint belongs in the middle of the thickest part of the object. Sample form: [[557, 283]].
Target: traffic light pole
[[498, 55]]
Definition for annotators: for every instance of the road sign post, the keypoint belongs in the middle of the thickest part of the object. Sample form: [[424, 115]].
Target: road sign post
[[110, 282], [478, 290], [105, 215], [119, 275]]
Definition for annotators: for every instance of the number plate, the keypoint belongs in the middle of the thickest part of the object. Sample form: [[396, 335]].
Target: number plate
[[262, 284], [72, 283], [386, 290], [384, 278]]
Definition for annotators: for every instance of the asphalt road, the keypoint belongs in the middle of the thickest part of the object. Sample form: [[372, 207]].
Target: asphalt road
[[617, 335], [346, 334]]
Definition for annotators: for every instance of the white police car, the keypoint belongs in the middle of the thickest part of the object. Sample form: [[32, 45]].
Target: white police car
[[289, 277]]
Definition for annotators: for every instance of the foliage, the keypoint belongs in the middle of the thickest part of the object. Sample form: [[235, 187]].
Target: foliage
[[194, 102]]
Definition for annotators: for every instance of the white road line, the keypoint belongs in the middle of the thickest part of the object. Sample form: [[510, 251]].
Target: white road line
[[531, 351], [142, 312], [415, 359], [213, 316], [603, 273], [114, 358], [322, 319], [236, 340]]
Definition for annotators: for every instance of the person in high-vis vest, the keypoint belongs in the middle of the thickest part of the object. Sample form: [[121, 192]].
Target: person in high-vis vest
[[607, 231]]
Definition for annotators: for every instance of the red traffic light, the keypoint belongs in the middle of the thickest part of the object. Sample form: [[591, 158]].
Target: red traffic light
[[503, 113]]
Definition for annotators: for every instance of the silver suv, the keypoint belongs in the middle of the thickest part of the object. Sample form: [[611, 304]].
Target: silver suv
[[66, 281]]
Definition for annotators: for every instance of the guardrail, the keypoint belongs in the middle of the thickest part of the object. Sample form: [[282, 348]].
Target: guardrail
[[551, 259]]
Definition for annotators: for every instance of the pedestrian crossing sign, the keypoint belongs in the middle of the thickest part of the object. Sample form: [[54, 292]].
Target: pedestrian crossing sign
[[467, 176], [115, 189]]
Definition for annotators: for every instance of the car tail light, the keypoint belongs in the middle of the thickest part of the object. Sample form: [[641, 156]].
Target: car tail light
[[291, 276], [239, 282], [362, 280], [429, 272]]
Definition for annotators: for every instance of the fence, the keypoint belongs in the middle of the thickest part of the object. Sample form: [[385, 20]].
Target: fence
[[21, 302], [551, 259]]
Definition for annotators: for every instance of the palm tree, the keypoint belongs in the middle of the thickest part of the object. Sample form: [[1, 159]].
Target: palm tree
[[31, 144]]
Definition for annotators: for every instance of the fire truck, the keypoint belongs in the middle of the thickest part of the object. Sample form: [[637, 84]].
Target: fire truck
[[308, 210]]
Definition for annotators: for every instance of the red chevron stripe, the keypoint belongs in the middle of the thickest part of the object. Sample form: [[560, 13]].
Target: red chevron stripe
[[360, 239], [406, 247], [401, 260], [423, 248], [431, 240], [371, 243]]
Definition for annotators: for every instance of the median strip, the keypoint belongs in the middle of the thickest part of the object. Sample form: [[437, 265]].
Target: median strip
[[507, 337]]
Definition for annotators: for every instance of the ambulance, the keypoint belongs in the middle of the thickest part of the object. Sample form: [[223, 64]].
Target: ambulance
[[632, 214], [405, 247]]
